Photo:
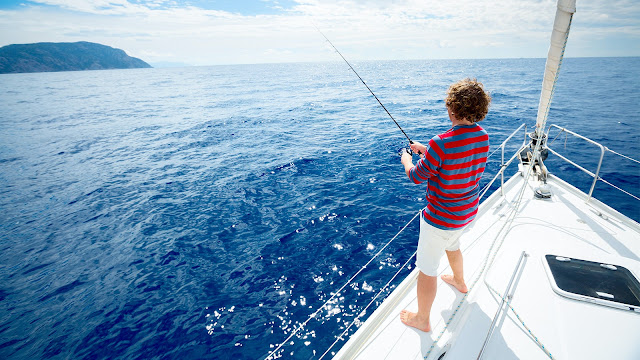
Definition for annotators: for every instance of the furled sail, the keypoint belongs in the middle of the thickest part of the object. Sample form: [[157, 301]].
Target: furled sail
[[561, 25]]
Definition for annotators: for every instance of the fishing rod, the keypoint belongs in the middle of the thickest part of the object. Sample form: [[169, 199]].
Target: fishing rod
[[365, 84]]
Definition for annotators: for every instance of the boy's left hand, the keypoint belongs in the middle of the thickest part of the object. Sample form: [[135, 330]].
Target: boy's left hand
[[406, 157]]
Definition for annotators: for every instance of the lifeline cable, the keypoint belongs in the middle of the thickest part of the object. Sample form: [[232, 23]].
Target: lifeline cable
[[273, 354], [365, 84]]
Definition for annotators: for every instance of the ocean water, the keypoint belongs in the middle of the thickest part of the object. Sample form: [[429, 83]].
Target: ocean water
[[204, 212]]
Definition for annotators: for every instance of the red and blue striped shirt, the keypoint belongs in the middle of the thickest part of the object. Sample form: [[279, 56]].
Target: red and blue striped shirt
[[452, 167]]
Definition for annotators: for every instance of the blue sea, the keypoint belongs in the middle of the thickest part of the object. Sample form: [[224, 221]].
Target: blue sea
[[204, 212]]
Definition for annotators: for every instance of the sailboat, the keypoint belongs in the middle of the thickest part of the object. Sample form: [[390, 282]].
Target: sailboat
[[552, 271]]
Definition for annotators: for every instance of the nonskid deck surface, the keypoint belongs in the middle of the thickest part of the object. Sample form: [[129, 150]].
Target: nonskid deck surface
[[568, 329]]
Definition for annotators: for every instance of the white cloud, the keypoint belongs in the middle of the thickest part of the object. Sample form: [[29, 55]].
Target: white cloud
[[361, 29], [446, 44], [110, 7]]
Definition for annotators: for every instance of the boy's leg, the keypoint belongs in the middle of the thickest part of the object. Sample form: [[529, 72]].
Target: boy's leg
[[430, 246], [457, 279], [427, 287]]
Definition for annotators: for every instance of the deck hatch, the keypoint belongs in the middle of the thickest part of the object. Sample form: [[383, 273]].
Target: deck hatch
[[606, 284]]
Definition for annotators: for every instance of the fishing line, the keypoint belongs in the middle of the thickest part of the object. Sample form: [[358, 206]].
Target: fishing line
[[365, 84]]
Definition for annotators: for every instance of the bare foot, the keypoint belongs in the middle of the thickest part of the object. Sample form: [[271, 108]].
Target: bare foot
[[462, 287], [411, 319]]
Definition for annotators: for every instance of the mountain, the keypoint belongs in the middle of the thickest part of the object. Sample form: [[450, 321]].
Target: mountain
[[64, 57]]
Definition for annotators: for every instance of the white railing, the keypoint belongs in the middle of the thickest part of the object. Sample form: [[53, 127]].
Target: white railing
[[596, 176], [504, 165]]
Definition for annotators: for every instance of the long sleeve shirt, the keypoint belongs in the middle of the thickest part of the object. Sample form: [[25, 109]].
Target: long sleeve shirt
[[452, 167]]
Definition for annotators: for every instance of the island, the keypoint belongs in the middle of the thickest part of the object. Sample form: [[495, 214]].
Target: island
[[46, 56]]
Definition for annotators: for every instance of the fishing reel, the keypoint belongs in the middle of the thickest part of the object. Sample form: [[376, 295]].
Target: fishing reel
[[405, 150]]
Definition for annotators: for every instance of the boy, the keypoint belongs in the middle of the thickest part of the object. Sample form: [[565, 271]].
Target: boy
[[452, 165]]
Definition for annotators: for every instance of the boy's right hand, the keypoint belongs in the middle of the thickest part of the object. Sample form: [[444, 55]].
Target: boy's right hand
[[418, 148]]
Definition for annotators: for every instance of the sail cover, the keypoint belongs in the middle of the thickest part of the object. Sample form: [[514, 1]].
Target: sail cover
[[561, 25]]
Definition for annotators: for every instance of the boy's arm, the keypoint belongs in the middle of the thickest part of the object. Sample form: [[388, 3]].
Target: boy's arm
[[427, 166]]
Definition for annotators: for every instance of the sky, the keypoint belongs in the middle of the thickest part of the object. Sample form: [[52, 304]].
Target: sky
[[215, 32]]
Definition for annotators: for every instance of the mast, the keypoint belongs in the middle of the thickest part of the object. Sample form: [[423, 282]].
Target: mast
[[561, 25]]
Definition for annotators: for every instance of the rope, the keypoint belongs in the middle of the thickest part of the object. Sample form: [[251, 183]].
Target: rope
[[340, 337], [494, 151], [486, 187], [535, 338], [554, 139], [483, 191], [624, 156], [272, 353], [503, 165], [504, 143], [626, 192], [599, 178]]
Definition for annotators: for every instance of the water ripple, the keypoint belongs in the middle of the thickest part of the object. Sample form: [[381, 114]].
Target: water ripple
[[206, 212]]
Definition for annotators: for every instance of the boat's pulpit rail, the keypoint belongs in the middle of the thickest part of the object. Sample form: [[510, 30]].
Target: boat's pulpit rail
[[603, 149]]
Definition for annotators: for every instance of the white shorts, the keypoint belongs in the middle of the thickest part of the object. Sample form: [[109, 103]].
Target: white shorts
[[431, 246]]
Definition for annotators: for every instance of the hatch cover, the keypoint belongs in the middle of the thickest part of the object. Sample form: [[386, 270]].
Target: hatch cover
[[600, 283]]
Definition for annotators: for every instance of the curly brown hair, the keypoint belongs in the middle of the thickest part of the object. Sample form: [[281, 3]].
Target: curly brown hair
[[467, 100]]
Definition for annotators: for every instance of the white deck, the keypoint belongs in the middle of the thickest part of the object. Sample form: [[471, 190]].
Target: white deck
[[569, 329]]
